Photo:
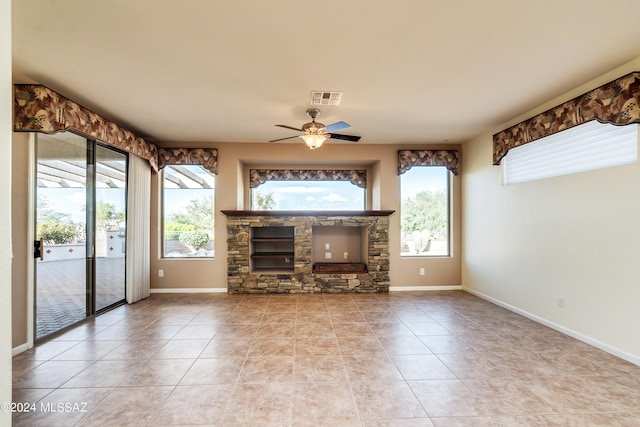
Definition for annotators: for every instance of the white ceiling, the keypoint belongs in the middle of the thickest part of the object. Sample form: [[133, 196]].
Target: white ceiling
[[412, 71]]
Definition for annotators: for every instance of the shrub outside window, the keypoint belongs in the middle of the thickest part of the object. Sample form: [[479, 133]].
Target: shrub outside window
[[188, 212]]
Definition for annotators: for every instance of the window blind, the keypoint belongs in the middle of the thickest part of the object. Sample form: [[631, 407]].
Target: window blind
[[588, 146]]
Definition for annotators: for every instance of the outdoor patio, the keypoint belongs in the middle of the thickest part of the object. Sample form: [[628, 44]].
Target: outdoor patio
[[61, 293]]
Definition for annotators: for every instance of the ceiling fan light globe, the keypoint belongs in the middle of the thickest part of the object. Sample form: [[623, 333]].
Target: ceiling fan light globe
[[313, 141], [313, 128]]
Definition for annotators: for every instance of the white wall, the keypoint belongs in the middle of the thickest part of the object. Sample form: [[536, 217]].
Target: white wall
[[575, 236], [6, 102]]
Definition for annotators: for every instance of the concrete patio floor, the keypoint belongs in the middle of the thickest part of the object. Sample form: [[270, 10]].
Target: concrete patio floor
[[61, 291]]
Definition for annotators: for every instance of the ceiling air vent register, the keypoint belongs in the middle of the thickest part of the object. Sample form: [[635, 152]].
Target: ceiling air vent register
[[325, 98]]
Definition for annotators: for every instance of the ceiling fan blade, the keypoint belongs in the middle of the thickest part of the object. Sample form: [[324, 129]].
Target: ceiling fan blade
[[290, 127], [282, 139], [336, 126], [351, 138]]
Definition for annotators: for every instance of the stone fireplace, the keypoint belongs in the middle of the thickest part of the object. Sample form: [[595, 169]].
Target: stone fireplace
[[307, 252]]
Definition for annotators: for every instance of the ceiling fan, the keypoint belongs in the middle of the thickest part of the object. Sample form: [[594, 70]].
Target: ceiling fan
[[315, 133]]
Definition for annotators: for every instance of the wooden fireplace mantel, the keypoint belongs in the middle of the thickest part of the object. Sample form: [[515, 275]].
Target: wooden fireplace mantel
[[306, 213]]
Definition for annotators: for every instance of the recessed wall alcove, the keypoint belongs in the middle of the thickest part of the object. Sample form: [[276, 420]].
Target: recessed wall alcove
[[307, 251]]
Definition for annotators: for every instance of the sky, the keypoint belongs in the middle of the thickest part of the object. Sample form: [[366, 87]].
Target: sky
[[343, 195]]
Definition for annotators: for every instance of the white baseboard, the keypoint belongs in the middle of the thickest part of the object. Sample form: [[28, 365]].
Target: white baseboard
[[20, 349], [577, 335], [186, 290], [424, 288]]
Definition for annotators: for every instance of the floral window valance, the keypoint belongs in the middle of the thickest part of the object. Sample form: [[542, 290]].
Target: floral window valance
[[617, 102], [206, 157], [260, 176], [40, 109], [447, 158]]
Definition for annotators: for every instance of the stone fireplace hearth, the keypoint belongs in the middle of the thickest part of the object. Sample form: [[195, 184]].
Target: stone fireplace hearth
[[293, 270]]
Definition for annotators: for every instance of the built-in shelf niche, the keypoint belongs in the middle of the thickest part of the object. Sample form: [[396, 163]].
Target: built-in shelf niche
[[341, 240], [272, 249]]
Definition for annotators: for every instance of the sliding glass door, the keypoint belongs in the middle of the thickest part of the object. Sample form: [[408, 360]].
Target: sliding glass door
[[111, 236], [61, 229], [80, 214]]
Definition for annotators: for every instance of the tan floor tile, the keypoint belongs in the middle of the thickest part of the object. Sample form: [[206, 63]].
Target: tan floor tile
[[444, 344], [276, 330], [361, 345], [361, 360], [237, 330], [410, 422], [390, 329], [29, 395], [317, 346], [22, 365], [157, 332], [449, 399], [472, 366], [63, 407], [313, 317], [47, 350], [266, 370], [194, 405], [428, 328], [323, 400], [370, 368], [103, 373], [314, 368], [175, 319], [404, 345], [181, 349], [267, 347], [226, 347], [270, 403], [353, 329], [213, 371], [89, 350], [422, 367], [131, 406], [135, 350], [51, 374], [386, 399], [195, 332], [315, 330], [158, 373], [346, 317]]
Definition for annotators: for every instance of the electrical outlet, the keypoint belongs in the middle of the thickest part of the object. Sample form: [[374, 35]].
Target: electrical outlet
[[560, 302], [346, 255], [327, 246], [422, 271], [160, 273], [327, 255]]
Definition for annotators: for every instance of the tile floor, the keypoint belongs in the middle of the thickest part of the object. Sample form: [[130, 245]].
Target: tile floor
[[399, 359]]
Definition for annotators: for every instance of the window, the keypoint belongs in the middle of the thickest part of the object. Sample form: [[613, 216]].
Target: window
[[589, 146], [293, 189], [424, 211], [188, 211], [308, 195]]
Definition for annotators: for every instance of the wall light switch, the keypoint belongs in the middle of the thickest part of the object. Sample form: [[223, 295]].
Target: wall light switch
[[327, 246], [160, 273]]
